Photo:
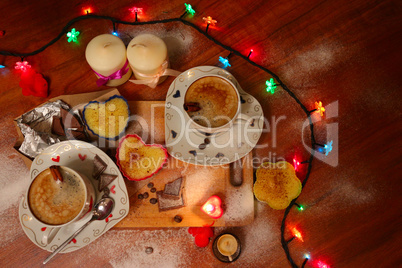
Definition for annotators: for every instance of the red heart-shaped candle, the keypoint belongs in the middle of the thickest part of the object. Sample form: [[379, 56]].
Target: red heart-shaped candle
[[213, 207]]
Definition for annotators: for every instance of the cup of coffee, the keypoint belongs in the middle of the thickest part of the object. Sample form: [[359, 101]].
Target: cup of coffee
[[227, 245], [212, 104], [59, 202]]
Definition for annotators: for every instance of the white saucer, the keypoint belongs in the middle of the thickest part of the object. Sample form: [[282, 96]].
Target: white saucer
[[187, 144], [79, 156]]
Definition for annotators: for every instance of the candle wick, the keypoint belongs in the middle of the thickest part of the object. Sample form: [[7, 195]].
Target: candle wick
[[107, 44], [138, 45]]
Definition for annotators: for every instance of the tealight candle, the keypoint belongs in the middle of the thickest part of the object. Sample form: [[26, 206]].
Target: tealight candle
[[213, 207], [148, 58], [106, 54]]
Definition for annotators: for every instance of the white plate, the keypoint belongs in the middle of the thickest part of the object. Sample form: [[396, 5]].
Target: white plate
[[79, 156], [184, 143]]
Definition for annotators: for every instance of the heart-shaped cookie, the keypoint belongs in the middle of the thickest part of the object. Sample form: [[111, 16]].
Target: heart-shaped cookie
[[107, 119], [137, 160]]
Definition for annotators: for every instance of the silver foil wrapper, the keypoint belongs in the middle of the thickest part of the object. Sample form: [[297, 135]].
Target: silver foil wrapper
[[36, 126]]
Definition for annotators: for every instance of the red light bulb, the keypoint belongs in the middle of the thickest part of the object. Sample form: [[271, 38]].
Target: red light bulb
[[321, 264], [136, 10], [296, 164], [86, 10]]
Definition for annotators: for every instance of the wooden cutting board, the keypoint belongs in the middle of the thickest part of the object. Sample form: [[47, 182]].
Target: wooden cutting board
[[200, 182]]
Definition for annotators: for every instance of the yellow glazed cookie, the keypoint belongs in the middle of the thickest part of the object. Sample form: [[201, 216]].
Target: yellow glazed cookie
[[277, 184]]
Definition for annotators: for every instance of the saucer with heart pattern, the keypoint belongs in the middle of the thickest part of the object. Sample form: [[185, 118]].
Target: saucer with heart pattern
[[79, 156], [190, 145]]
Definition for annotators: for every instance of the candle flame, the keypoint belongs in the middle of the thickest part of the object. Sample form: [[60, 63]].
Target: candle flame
[[210, 208]]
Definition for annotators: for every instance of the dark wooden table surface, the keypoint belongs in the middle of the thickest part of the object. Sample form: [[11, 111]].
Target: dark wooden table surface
[[343, 53]]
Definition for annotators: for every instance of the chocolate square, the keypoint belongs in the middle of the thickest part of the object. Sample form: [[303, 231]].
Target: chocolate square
[[69, 120], [166, 203], [173, 189], [105, 180], [57, 127], [99, 167]]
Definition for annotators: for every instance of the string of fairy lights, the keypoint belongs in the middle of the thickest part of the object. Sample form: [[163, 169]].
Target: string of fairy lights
[[271, 85]]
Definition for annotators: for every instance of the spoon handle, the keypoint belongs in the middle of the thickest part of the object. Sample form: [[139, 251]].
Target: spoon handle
[[57, 250]]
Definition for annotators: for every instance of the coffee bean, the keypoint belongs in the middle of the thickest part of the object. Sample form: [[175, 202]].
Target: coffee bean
[[146, 195], [177, 218], [140, 196], [202, 146], [153, 201], [153, 190], [207, 141], [149, 250], [150, 185]]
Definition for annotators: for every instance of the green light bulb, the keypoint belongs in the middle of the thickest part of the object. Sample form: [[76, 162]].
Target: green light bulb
[[189, 9], [271, 85], [72, 36]]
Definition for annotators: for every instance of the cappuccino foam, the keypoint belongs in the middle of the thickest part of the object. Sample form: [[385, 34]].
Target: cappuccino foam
[[54, 202], [217, 99]]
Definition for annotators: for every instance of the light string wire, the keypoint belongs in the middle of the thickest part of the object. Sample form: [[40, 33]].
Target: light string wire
[[226, 47]]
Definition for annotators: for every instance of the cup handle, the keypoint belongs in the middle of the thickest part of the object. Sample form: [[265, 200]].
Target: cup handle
[[49, 234]]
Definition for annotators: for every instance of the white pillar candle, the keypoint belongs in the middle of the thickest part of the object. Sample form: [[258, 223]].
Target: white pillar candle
[[106, 54], [146, 54]]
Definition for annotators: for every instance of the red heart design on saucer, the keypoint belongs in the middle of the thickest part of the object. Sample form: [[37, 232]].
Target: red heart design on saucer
[[43, 229], [56, 159], [82, 157], [112, 189], [213, 207], [107, 219]]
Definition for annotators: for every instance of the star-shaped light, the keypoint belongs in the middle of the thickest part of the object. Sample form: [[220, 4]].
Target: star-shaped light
[[297, 234], [136, 10], [321, 264], [2, 66], [319, 107], [225, 62], [23, 66], [328, 147], [189, 9], [271, 85], [209, 20], [87, 10], [72, 36]]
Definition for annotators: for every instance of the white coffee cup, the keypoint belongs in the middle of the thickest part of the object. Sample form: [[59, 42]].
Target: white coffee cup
[[209, 98], [227, 245], [57, 204]]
